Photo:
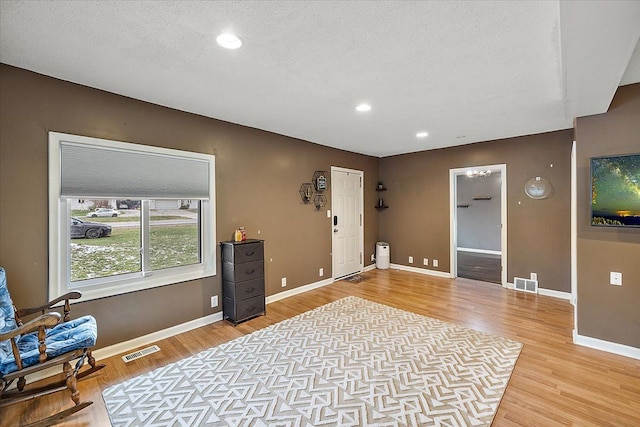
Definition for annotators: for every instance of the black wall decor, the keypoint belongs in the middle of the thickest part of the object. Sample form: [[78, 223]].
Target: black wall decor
[[320, 200], [306, 192], [314, 190]]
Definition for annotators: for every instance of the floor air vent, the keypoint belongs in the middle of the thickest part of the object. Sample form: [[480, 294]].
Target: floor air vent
[[525, 285], [140, 353]]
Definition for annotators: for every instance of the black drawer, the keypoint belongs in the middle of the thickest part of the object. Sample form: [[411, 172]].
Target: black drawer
[[243, 310], [243, 285], [241, 253], [241, 272], [243, 290], [250, 307]]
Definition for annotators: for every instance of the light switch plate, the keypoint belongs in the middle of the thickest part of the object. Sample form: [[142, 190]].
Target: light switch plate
[[615, 278]]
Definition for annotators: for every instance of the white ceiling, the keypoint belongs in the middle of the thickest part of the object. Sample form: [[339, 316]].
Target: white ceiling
[[464, 71]]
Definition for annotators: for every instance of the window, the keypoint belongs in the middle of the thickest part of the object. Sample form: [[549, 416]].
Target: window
[[125, 217]]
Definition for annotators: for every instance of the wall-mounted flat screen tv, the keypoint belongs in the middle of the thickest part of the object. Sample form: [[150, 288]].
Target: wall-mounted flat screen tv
[[615, 191]]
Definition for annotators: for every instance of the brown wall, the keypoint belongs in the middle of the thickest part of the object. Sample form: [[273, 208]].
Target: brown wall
[[610, 313], [539, 240], [258, 175]]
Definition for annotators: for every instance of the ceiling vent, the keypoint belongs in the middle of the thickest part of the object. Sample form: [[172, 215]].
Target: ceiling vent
[[526, 285]]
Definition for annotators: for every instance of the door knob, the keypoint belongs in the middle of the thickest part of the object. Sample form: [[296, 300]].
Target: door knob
[[335, 230]]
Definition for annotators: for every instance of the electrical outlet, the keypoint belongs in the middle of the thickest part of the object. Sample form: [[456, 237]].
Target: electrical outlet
[[214, 301], [534, 276], [435, 262], [425, 261], [615, 278], [321, 272], [373, 257], [410, 260], [284, 282]]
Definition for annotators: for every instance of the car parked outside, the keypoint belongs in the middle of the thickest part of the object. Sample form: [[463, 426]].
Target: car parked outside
[[103, 212], [90, 230]]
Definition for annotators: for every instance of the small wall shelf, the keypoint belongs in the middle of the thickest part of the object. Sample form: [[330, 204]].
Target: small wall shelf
[[380, 206]]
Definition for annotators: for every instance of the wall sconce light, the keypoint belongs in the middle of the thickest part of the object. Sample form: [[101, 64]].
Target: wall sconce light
[[538, 188]]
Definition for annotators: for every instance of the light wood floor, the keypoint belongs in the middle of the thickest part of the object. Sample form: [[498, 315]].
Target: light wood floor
[[555, 383]]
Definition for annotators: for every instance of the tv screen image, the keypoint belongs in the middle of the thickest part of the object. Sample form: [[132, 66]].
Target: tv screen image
[[615, 191]]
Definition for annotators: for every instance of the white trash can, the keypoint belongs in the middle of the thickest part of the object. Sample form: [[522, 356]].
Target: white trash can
[[382, 255]]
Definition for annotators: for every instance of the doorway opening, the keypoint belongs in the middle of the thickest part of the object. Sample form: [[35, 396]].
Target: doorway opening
[[478, 221]]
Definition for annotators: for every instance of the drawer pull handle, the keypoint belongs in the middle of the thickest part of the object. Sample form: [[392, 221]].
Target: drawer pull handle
[[250, 290], [250, 253], [253, 270]]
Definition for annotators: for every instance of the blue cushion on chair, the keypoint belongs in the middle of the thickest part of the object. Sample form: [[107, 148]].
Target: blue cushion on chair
[[62, 338], [7, 319]]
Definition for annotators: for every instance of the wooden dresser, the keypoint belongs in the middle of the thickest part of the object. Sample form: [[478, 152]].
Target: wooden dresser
[[243, 286]]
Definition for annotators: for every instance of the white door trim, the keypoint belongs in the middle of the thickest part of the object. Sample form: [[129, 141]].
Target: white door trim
[[361, 236], [574, 237], [453, 216]]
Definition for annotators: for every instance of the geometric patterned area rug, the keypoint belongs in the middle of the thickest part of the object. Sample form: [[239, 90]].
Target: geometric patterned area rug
[[352, 362]]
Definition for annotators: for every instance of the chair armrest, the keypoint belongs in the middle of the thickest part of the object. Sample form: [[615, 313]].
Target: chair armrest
[[66, 297], [48, 320]]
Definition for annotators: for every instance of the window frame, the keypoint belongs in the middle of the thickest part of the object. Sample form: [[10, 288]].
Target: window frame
[[60, 240]]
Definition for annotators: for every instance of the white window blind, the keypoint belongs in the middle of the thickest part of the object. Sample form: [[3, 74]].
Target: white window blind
[[127, 170]]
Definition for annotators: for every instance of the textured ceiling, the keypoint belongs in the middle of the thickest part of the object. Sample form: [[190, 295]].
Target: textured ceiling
[[463, 71]]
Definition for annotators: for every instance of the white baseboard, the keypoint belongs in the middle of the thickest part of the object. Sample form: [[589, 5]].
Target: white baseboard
[[548, 292], [479, 251], [555, 294], [298, 290], [370, 267], [611, 347], [125, 346], [422, 271], [122, 347]]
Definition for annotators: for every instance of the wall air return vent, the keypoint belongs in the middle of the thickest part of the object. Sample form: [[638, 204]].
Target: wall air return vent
[[525, 285]]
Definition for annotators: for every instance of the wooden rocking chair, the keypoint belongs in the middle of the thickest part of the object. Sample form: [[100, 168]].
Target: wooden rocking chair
[[42, 343]]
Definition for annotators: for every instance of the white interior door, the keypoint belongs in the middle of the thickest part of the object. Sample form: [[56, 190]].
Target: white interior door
[[347, 221]]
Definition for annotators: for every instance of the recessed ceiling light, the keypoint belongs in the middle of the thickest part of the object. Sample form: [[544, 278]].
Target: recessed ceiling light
[[229, 41], [363, 107], [422, 134]]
